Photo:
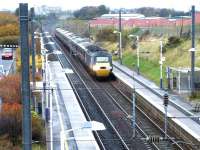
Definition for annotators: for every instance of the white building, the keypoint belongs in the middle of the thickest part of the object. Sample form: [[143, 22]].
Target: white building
[[123, 16]]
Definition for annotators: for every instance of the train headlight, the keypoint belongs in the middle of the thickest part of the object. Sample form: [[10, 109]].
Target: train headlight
[[95, 68]]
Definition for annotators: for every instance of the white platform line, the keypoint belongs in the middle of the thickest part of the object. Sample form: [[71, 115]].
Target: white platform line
[[62, 136], [51, 120]]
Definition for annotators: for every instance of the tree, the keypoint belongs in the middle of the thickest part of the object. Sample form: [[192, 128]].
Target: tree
[[90, 12], [149, 11], [10, 89], [11, 121], [17, 12], [102, 10]]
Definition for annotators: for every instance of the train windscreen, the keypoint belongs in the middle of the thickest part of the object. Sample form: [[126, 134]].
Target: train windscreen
[[102, 59]]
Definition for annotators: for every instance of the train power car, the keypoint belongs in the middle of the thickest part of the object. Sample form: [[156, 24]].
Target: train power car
[[97, 60]]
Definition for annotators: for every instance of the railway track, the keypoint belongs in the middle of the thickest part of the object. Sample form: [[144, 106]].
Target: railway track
[[117, 107], [144, 122], [160, 94], [109, 139]]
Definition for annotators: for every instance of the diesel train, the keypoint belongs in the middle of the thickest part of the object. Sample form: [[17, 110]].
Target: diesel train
[[97, 60]]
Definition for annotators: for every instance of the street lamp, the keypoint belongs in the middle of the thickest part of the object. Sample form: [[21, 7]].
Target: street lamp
[[162, 59], [88, 125], [138, 52], [120, 44]]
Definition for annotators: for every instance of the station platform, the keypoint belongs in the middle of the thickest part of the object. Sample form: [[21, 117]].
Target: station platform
[[153, 96], [66, 116]]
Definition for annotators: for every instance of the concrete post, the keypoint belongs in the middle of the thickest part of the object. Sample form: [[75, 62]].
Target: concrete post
[[26, 121], [193, 52]]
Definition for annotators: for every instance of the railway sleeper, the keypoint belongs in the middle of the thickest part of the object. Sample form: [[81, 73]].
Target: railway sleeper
[[173, 129]]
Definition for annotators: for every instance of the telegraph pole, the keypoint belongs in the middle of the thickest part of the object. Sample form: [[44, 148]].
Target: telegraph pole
[[120, 36], [193, 51], [33, 45], [26, 120], [33, 55], [161, 65]]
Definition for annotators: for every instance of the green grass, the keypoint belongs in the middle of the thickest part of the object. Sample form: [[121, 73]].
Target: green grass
[[38, 147], [148, 69]]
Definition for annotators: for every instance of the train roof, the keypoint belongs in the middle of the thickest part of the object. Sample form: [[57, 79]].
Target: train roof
[[83, 43], [77, 40], [94, 48], [74, 37], [69, 34]]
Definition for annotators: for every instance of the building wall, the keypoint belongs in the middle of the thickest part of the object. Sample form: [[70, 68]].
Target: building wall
[[144, 22]]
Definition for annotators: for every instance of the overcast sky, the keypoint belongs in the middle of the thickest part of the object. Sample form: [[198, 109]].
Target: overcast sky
[[76, 4]]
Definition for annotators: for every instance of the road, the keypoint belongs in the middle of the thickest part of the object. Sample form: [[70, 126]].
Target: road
[[6, 63]]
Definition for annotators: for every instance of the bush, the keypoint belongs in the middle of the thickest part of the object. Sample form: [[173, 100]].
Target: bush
[[10, 89], [106, 34], [134, 45], [125, 38], [37, 127], [7, 145], [38, 76], [7, 18], [145, 34], [9, 30], [173, 41], [135, 30], [38, 46], [11, 122], [9, 40]]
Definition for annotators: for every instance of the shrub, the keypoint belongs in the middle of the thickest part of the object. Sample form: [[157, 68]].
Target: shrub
[[5, 144], [7, 18], [135, 30], [106, 34], [38, 76], [145, 34], [9, 30], [11, 121], [9, 40], [173, 41], [37, 127], [125, 38], [10, 89], [38, 46], [11, 124], [134, 45]]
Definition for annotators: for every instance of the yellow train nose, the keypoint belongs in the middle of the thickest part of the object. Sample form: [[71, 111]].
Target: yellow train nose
[[102, 73], [102, 69]]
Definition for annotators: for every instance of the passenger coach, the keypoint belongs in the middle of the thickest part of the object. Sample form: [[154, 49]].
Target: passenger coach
[[97, 60]]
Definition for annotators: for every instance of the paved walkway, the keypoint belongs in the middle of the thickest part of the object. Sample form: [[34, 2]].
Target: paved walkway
[[177, 99], [187, 124], [66, 114]]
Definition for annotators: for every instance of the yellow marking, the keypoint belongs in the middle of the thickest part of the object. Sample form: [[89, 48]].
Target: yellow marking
[[66, 143], [102, 73]]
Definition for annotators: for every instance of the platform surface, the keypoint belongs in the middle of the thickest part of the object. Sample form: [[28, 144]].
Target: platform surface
[[67, 114], [189, 125]]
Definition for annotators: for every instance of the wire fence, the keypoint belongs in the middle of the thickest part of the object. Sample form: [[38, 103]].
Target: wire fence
[[172, 30]]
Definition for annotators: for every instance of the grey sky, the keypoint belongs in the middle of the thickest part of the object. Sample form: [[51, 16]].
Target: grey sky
[[76, 4]]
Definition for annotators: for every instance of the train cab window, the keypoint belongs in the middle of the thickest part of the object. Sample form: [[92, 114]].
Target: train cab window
[[102, 59]]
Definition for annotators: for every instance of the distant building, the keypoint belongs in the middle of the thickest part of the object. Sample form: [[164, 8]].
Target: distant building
[[123, 16], [5, 11], [139, 20]]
